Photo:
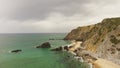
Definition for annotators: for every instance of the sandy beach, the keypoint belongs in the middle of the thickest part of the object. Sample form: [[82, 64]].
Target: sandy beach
[[102, 63]]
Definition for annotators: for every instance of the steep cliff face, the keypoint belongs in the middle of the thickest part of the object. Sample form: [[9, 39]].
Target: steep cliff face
[[110, 47], [79, 33], [102, 39], [95, 35]]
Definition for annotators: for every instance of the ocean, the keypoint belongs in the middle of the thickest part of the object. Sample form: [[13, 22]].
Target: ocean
[[32, 57]]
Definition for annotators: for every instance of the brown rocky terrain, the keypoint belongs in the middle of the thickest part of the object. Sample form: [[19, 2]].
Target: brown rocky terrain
[[102, 38]]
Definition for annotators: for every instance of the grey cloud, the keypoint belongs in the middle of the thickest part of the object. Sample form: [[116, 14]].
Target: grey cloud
[[53, 15], [39, 9]]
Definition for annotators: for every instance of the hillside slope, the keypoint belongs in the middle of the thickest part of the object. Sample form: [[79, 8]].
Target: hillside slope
[[102, 38]]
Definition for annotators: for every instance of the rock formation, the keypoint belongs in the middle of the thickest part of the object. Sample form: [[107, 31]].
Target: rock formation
[[57, 49], [102, 38], [16, 51], [44, 45]]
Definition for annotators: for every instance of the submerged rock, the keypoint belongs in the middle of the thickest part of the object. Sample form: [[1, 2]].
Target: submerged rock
[[52, 39], [55, 39], [44, 45], [16, 51]]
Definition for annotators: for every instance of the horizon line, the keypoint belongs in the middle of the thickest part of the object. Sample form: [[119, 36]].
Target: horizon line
[[34, 33]]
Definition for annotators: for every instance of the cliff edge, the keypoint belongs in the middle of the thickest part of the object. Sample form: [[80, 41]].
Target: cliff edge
[[102, 38]]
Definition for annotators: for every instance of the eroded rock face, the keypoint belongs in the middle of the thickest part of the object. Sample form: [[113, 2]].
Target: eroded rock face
[[44, 45], [93, 35], [16, 51], [102, 38], [79, 34]]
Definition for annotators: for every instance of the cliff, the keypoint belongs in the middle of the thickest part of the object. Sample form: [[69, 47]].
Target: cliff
[[102, 38]]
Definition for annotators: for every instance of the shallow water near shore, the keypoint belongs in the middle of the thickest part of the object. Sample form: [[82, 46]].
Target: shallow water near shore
[[30, 57]]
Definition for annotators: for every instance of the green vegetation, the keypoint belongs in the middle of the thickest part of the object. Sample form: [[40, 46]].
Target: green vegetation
[[97, 40], [114, 40], [113, 21], [96, 33], [100, 32], [102, 40], [118, 49], [118, 35]]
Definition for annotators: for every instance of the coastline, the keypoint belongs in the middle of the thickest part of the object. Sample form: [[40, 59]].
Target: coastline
[[91, 59]]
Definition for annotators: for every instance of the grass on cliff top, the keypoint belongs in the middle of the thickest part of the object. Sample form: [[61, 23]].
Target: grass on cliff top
[[112, 21]]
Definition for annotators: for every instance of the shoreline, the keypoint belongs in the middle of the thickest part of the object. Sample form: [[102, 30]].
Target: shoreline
[[91, 59]]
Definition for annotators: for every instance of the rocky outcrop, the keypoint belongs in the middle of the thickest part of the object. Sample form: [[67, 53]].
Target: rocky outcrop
[[44, 45], [16, 51], [93, 35], [79, 34], [57, 49], [61, 48], [102, 38], [71, 47]]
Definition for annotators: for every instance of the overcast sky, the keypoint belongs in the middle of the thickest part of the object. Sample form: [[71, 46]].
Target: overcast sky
[[46, 16]]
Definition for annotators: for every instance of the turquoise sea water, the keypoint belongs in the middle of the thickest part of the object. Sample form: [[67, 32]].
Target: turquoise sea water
[[30, 57]]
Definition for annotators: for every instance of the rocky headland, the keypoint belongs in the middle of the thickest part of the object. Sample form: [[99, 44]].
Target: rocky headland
[[98, 43]]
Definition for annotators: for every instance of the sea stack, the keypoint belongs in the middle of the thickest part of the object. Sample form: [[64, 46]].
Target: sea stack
[[44, 45], [16, 51]]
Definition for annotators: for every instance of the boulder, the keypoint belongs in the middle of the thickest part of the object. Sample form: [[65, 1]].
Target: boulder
[[44, 45], [57, 49], [66, 48], [16, 51]]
